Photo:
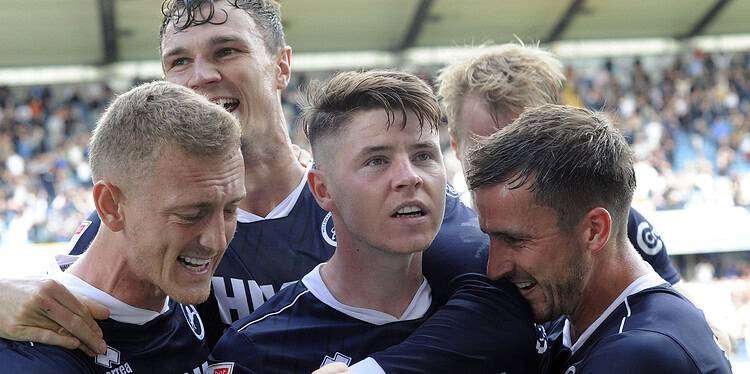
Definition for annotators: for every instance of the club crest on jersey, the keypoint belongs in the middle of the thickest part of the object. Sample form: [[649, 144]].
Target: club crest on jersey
[[648, 241], [194, 320], [450, 191], [327, 229], [338, 357]]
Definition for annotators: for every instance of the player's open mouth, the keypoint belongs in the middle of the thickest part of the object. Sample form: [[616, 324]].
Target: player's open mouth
[[194, 264], [526, 285], [229, 104], [409, 211]]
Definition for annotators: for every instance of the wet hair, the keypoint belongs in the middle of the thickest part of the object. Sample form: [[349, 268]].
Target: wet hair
[[266, 14]]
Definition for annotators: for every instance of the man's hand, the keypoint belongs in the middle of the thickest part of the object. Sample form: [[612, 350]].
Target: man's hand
[[334, 368], [43, 311]]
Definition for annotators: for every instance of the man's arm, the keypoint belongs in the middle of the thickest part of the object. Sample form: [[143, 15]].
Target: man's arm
[[43, 311], [484, 328]]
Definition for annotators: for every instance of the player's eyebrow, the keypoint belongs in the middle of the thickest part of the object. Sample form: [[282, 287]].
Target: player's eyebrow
[[375, 149], [214, 40], [425, 145]]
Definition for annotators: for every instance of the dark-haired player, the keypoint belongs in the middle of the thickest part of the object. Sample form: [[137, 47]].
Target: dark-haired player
[[379, 171]]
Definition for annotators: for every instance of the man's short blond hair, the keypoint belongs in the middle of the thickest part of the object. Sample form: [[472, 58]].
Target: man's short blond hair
[[141, 122], [509, 77]]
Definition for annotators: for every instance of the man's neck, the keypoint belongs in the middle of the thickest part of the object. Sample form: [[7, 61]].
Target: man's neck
[[270, 178], [116, 278], [372, 279], [610, 277]]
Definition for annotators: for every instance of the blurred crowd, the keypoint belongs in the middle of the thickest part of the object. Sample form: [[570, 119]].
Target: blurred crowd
[[687, 118], [45, 189], [720, 285]]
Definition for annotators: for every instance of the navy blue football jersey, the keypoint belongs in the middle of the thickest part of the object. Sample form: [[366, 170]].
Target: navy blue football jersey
[[498, 336], [172, 341], [270, 254], [304, 327], [267, 255], [650, 328]]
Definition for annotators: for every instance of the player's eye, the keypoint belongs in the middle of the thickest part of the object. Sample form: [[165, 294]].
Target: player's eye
[[423, 156], [190, 217], [180, 61], [224, 52], [376, 161]]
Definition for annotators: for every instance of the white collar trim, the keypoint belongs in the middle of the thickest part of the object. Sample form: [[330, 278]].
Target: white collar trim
[[280, 211], [416, 309], [650, 279], [118, 310]]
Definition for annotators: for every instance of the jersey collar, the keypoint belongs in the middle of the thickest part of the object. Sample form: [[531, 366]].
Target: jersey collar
[[118, 310], [280, 211], [416, 309], [648, 280]]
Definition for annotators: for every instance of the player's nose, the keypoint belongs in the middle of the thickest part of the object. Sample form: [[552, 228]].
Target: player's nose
[[214, 235], [500, 261], [203, 73], [405, 175]]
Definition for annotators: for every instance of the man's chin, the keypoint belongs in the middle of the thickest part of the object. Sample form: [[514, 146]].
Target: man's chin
[[191, 297]]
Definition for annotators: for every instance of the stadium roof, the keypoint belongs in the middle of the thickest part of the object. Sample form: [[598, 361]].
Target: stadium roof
[[103, 32]]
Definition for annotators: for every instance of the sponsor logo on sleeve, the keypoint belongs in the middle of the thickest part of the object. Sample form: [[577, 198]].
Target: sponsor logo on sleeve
[[221, 368], [648, 241], [78, 233]]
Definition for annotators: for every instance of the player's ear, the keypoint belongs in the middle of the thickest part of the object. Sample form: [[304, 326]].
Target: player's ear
[[319, 189], [596, 229], [108, 199], [284, 67]]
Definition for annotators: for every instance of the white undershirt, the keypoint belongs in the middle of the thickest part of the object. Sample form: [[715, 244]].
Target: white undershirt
[[419, 305], [280, 211], [118, 310]]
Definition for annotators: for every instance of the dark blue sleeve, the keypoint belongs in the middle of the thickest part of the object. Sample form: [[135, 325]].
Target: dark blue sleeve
[[238, 348], [484, 328], [85, 234], [638, 351], [650, 246], [22, 357], [460, 247]]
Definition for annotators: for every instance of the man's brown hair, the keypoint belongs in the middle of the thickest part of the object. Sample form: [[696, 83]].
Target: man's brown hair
[[571, 159], [329, 105]]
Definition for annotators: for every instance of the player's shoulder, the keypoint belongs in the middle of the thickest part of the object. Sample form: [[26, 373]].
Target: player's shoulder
[[662, 308], [663, 325], [637, 351], [25, 357]]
